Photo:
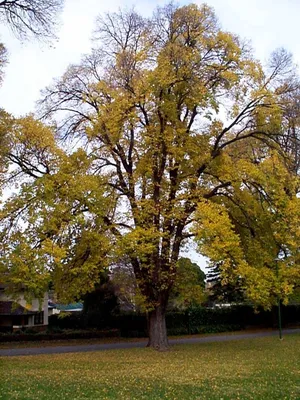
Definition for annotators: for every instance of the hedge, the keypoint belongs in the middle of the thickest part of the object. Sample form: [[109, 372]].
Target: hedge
[[193, 321], [29, 335]]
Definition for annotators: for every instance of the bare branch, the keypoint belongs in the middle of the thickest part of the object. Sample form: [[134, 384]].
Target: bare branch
[[31, 17]]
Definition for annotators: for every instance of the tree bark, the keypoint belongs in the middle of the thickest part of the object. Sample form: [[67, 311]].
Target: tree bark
[[157, 329]]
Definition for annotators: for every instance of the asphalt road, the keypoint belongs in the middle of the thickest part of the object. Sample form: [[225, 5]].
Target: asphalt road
[[129, 345]]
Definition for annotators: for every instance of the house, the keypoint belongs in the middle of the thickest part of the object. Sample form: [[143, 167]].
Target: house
[[16, 313], [56, 308], [52, 308]]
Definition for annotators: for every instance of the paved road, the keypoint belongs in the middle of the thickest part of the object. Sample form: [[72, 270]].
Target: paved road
[[129, 345]]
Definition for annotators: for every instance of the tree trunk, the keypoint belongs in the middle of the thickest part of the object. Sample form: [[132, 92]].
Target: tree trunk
[[157, 329]]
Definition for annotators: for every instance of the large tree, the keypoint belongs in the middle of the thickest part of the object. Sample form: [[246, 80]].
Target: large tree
[[175, 125]]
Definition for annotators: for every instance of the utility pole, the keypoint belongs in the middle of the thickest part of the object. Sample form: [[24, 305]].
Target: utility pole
[[279, 304]]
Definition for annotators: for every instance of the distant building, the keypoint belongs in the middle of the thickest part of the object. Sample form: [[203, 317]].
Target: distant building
[[16, 313]]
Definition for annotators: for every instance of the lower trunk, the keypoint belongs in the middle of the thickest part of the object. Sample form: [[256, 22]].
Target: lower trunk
[[157, 329]]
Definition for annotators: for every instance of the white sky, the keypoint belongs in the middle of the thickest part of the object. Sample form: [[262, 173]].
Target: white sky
[[268, 24]]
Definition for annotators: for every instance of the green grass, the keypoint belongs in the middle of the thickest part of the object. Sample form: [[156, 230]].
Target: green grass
[[247, 369]]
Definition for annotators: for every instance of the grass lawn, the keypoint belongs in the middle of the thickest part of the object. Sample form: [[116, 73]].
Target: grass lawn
[[246, 369]]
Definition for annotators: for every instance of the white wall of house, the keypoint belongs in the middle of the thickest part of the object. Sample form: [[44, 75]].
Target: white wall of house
[[53, 311]]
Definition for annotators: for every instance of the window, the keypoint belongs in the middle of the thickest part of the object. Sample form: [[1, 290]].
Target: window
[[39, 318]]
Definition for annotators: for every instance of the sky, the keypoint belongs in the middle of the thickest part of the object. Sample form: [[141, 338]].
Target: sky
[[267, 24]]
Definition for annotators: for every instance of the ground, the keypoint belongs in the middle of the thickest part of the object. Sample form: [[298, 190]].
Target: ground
[[263, 368]]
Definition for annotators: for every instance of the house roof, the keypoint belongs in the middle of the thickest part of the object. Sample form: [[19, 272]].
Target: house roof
[[11, 308], [70, 307], [51, 305]]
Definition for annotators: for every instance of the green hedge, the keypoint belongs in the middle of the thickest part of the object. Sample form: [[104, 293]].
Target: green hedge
[[193, 321], [62, 335], [204, 329]]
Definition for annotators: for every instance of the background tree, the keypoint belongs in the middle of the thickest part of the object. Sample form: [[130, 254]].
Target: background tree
[[158, 165], [253, 236], [126, 288], [25, 18], [220, 293], [290, 141], [101, 303], [45, 231], [189, 286], [31, 17]]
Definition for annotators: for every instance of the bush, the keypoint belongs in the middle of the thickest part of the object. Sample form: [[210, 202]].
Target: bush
[[131, 325], [54, 329], [30, 331], [69, 321]]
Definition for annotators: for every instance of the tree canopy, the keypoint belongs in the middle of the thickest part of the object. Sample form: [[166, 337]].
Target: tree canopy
[[169, 130]]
